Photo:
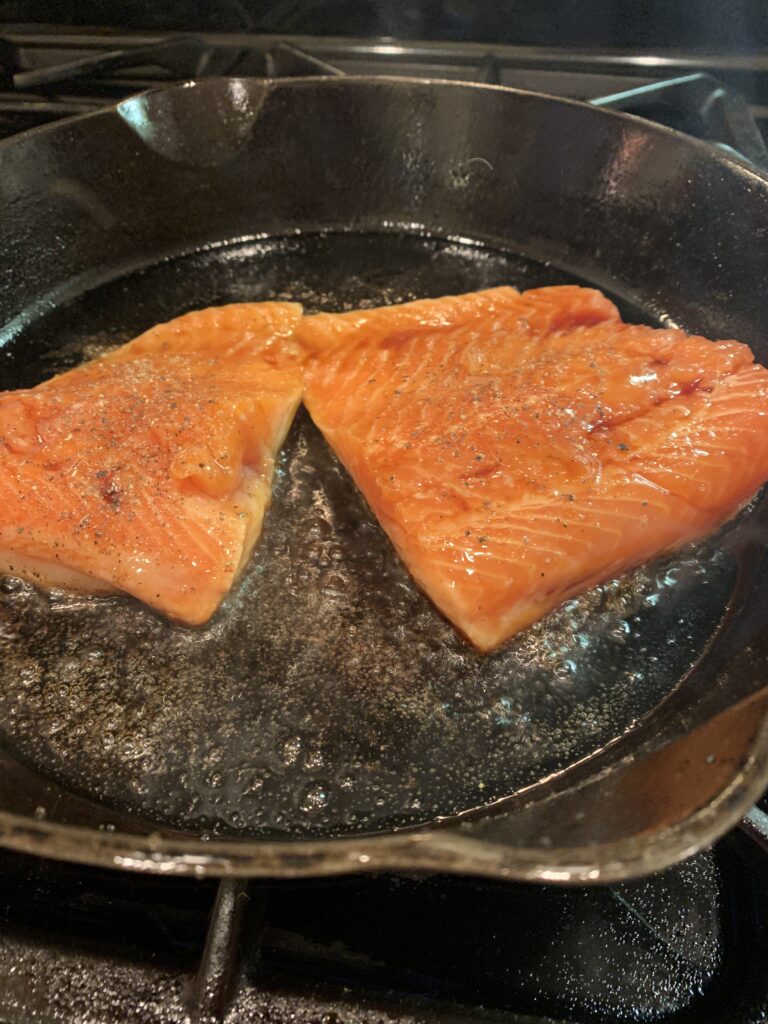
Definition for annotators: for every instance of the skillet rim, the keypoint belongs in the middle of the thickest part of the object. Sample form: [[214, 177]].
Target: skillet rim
[[426, 850]]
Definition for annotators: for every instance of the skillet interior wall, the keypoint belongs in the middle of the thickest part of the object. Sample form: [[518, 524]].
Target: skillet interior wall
[[625, 203]]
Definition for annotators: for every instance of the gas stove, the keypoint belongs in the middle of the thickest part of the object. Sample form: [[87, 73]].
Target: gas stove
[[688, 945]]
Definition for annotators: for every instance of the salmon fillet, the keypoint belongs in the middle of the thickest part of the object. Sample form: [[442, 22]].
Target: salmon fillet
[[520, 447], [149, 470]]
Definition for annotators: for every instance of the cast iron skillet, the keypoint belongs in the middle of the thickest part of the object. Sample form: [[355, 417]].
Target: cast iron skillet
[[327, 719]]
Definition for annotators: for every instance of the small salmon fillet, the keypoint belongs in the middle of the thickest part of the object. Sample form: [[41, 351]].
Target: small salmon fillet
[[521, 447], [149, 470]]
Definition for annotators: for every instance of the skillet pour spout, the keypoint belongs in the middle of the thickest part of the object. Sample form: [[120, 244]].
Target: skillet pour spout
[[327, 720]]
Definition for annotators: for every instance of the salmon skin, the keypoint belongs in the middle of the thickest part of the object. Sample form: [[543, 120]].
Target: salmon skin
[[149, 470], [518, 448]]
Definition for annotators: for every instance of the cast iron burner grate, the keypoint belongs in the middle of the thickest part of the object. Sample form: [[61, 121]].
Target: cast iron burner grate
[[46, 74], [690, 945]]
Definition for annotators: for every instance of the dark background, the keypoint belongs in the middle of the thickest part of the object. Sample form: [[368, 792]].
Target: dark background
[[734, 25]]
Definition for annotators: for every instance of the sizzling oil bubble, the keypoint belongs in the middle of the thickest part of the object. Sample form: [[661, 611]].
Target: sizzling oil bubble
[[315, 796], [327, 696]]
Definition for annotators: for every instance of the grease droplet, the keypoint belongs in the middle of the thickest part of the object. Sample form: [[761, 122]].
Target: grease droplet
[[315, 797]]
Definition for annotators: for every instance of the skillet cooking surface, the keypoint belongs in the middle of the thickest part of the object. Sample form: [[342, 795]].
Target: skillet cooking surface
[[327, 696]]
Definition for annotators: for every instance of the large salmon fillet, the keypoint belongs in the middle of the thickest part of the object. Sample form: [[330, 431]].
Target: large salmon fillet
[[149, 470], [519, 448]]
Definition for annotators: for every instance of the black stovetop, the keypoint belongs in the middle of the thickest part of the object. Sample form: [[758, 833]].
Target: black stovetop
[[79, 944], [739, 25], [688, 945]]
